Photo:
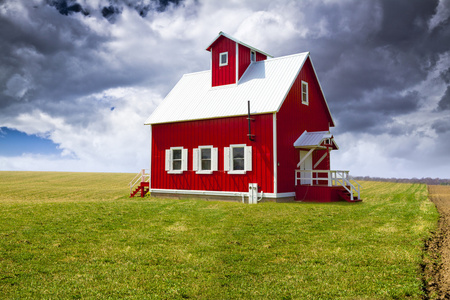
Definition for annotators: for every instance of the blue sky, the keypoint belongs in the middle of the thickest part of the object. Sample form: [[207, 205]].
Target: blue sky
[[15, 143], [78, 78]]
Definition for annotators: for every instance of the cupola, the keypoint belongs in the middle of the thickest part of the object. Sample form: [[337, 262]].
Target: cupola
[[230, 58]]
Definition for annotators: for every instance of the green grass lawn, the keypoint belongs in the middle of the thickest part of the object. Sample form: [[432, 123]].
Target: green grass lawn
[[78, 235]]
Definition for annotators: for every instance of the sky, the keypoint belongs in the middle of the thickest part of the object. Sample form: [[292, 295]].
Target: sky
[[78, 78]]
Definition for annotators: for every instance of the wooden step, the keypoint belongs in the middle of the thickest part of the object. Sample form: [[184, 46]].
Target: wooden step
[[345, 195], [143, 188]]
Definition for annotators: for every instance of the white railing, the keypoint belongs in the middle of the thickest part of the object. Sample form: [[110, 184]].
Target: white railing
[[332, 178], [142, 176]]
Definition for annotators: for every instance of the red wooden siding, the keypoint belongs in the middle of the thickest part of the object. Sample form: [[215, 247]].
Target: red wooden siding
[[244, 59], [293, 119], [317, 193], [325, 163], [225, 74], [260, 56], [219, 133]]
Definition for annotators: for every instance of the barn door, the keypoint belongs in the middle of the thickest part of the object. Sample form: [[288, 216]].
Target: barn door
[[306, 177]]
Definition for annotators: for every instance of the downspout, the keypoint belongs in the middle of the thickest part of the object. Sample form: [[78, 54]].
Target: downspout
[[251, 136], [262, 195]]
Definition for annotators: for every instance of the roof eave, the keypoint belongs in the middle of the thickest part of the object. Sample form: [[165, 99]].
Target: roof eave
[[209, 118], [321, 90], [325, 99], [292, 83], [237, 41]]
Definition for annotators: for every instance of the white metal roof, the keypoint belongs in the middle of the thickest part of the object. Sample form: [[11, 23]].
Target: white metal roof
[[313, 139], [265, 84]]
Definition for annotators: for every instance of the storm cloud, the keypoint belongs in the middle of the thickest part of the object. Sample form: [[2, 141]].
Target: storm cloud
[[87, 73]]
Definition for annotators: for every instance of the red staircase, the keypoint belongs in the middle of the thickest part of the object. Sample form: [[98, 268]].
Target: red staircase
[[141, 189], [140, 184], [345, 195]]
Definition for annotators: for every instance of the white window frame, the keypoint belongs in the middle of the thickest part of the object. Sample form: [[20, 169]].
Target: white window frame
[[254, 56], [220, 59], [197, 160], [228, 159], [169, 160], [305, 96]]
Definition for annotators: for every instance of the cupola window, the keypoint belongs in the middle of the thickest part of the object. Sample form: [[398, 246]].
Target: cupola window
[[223, 59]]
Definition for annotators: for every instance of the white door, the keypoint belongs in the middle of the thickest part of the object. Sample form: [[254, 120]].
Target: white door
[[306, 177]]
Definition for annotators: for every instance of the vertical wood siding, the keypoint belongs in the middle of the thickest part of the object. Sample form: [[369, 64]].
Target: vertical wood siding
[[219, 133], [225, 74], [260, 56], [244, 59], [293, 119]]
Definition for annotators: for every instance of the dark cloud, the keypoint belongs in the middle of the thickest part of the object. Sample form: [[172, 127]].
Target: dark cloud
[[368, 58], [355, 121], [110, 12], [374, 114], [51, 62], [67, 7], [403, 23], [445, 75], [444, 103], [441, 127]]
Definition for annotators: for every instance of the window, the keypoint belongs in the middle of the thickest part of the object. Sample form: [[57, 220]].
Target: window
[[204, 159], [238, 159], [305, 99], [252, 56], [223, 59], [176, 160]]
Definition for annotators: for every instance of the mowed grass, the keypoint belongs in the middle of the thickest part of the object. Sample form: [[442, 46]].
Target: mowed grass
[[79, 236]]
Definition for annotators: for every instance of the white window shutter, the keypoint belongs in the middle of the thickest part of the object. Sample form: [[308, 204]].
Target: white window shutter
[[184, 159], [195, 159], [214, 155], [168, 159], [248, 158], [226, 159]]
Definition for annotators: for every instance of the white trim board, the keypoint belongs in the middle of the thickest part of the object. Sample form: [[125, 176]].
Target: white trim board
[[219, 193]]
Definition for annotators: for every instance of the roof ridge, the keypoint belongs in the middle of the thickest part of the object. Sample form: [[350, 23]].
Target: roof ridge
[[286, 56], [196, 73], [236, 41]]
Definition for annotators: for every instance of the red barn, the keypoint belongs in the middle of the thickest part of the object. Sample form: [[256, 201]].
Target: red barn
[[252, 128]]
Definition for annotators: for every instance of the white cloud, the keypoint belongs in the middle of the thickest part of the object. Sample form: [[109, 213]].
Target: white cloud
[[116, 140], [443, 11]]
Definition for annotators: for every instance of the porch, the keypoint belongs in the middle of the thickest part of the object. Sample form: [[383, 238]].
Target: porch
[[326, 186]]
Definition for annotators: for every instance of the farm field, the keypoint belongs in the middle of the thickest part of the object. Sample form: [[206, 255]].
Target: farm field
[[437, 258], [78, 235]]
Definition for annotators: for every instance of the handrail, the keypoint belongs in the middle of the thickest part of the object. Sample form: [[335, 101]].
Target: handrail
[[142, 176], [334, 178]]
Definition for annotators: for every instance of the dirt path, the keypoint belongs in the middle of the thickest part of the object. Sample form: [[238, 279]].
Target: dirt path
[[437, 257]]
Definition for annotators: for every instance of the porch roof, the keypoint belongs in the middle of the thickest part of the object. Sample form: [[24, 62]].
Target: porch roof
[[315, 139]]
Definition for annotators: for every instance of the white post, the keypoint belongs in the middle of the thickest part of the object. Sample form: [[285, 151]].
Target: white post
[[142, 175]]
